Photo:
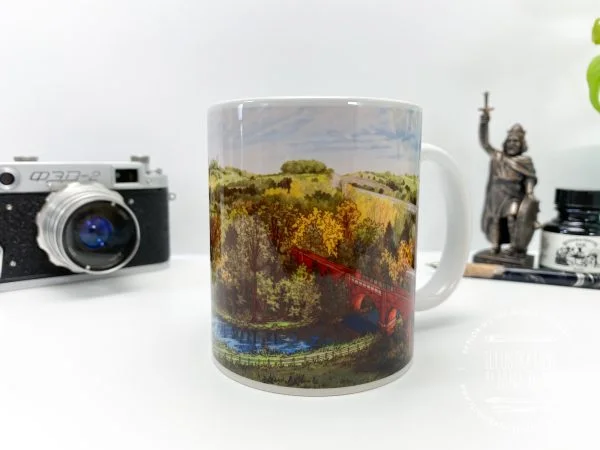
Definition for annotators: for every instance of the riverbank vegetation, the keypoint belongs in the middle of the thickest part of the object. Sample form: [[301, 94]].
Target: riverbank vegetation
[[266, 358], [244, 322]]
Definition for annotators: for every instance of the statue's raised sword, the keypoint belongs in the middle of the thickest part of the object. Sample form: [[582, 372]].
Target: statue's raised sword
[[486, 108]]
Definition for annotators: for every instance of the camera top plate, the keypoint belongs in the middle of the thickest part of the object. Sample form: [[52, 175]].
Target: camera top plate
[[27, 174]]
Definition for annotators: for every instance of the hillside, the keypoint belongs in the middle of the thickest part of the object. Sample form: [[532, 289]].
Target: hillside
[[402, 187]]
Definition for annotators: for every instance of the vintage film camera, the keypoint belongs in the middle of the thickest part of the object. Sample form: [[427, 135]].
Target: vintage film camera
[[62, 222]]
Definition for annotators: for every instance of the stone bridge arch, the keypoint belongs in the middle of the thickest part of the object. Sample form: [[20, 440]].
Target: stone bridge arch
[[388, 318], [361, 299], [357, 299]]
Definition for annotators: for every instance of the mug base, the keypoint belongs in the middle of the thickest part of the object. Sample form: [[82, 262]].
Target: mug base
[[307, 392]]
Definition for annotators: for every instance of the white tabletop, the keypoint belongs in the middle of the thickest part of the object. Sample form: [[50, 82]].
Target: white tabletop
[[125, 364]]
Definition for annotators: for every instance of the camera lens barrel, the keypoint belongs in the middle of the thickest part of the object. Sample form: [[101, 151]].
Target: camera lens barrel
[[88, 228]]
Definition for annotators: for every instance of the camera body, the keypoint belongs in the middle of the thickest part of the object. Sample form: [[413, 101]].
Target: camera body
[[62, 222]]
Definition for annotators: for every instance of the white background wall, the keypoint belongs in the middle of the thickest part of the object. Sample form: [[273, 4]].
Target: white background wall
[[106, 79]]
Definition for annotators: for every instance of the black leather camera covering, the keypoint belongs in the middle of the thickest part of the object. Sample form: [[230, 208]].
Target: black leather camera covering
[[18, 232]]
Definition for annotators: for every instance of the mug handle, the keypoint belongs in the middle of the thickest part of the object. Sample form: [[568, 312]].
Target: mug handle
[[458, 232]]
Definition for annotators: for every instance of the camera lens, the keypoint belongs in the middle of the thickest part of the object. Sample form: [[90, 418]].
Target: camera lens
[[95, 232], [88, 228], [7, 178], [100, 235]]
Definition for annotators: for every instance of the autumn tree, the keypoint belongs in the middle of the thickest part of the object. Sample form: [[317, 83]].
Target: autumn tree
[[319, 232], [400, 262], [348, 215], [215, 234]]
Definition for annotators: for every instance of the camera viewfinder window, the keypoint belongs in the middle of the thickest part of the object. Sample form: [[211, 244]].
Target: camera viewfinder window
[[126, 176]]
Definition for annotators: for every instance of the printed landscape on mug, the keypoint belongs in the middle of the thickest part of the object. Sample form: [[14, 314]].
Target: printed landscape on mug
[[312, 238]]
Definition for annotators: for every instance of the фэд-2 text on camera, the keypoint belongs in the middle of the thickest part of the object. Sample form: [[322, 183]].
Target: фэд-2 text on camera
[[63, 221]]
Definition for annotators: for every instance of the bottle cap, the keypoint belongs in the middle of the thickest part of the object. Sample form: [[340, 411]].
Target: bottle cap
[[577, 198]]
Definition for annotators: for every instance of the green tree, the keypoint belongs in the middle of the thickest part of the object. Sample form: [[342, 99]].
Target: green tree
[[389, 240], [303, 166], [300, 295], [269, 292], [230, 274], [249, 252], [285, 183], [335, 298], [366, 235], [369, 248], [408, 227], [370, 263]]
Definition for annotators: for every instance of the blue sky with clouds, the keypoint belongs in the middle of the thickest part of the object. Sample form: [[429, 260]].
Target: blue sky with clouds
[[348, 138]]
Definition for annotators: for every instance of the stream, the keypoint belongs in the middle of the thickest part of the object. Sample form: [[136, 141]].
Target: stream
[[291, 341]]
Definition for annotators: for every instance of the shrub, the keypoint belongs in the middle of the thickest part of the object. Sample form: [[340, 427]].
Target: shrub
[[304, 166]]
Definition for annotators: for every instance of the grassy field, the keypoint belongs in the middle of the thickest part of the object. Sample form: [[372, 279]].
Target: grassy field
[[308, 182], [303, 185], [382, 210], [339, 373], [227, 175], [402, 187], [276, 325]]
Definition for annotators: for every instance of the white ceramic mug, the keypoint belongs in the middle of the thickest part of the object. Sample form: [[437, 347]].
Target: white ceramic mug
[[313, 231]]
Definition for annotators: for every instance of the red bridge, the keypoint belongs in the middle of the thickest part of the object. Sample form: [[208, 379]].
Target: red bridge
[[390, 301]]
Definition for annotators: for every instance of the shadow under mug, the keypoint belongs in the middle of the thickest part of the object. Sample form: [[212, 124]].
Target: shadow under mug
[[313, 232]]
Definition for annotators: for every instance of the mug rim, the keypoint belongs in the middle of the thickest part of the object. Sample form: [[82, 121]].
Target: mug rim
[[315, 101]]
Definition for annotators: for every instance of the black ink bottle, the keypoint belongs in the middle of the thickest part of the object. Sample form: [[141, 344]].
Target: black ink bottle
[[571, 241]]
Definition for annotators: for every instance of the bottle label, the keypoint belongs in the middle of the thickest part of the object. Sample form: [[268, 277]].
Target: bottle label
[[570, 253]]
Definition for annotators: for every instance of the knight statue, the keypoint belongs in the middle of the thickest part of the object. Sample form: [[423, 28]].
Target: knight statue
[[510, 209]]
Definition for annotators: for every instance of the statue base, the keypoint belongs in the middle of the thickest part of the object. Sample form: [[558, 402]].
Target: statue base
[[502, 258]]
